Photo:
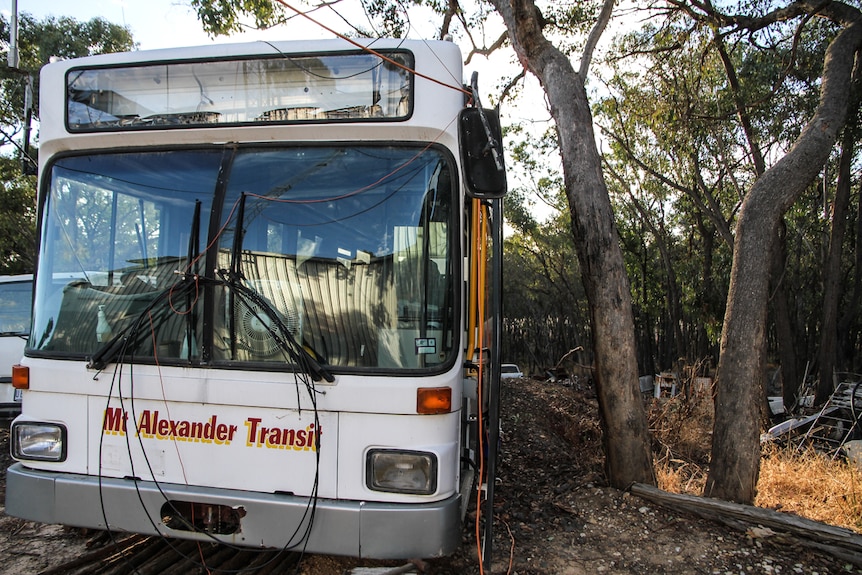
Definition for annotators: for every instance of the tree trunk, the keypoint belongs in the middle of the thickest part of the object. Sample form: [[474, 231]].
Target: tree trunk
[[787, 354], [706, 299], [596, 239], [735, 444], [832, 271], [847, 336]]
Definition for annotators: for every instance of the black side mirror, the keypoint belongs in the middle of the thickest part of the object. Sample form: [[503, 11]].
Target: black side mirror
[[482, 153]]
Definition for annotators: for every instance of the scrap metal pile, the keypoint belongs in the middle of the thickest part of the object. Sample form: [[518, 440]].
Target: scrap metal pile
[[833, 428]]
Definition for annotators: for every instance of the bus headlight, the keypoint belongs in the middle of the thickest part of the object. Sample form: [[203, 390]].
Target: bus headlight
[[401, 471], [39, 441]]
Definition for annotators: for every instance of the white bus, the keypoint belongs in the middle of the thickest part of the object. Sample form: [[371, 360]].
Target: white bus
[[267, 297], [16, 301]]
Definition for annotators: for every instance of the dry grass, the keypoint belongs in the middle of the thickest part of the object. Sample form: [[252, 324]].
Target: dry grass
[[808, 483], [677, 476], [811, 485]]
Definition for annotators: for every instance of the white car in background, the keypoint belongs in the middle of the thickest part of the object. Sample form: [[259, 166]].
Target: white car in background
[[16, 300], [510, 371]]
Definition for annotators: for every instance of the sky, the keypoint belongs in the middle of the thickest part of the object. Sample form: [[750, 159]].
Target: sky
[[154, 23]]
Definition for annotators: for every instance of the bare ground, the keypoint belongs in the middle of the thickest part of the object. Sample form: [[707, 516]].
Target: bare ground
[[554, 513]]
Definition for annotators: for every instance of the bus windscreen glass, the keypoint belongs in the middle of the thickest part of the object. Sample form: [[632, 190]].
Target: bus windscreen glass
[[345, 249], [345, 87]]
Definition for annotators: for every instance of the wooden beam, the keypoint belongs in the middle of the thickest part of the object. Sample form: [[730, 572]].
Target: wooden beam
[[837, 541]]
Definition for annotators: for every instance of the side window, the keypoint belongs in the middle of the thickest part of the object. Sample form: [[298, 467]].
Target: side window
[[15, 301]]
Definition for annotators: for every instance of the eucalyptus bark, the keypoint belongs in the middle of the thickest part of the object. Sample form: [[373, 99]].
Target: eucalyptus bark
[[832, 288], [735, 461], [606, 284]]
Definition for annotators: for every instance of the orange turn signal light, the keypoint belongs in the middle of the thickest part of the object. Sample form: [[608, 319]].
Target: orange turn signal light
[[20, 377], [433, 400]]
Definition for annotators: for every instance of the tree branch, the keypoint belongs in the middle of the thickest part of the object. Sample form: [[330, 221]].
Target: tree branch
[[593, 38]]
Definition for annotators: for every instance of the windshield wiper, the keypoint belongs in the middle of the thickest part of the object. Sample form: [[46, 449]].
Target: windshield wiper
[[192, 268], [281, 333], [119, 342], [110, 350], [234, 273], [303, 358]]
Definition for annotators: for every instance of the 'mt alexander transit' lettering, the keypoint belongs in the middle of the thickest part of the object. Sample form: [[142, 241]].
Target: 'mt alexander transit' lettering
[[279, 438], [114, 422], [151, 425]]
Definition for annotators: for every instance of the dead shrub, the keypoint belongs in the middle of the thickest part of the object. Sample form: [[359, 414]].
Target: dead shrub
[[681, 427], [677, 476]]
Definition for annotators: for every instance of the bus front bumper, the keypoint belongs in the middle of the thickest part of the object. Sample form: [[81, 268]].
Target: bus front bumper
[[352, 528]]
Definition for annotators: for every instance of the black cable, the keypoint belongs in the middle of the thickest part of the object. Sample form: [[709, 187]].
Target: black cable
[[123, 346]]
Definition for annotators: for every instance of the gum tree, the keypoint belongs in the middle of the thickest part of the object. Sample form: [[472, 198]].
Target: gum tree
[[735, 445], [38, 41]]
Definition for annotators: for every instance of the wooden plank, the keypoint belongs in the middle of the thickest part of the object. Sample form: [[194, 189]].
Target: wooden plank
[[837, 541]]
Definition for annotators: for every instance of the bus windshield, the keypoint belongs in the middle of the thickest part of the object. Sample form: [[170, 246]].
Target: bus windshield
[[325, 88], [218, 255]]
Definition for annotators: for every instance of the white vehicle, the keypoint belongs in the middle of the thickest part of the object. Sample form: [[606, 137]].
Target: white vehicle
[[510, 371], [277, 260], [16, 298]]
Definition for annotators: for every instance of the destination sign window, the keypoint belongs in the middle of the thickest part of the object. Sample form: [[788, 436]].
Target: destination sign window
[[286, 89]]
